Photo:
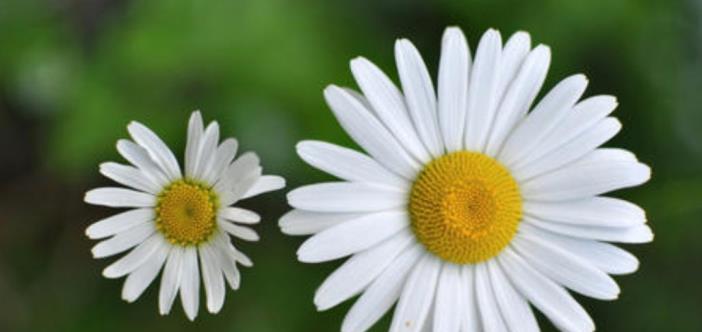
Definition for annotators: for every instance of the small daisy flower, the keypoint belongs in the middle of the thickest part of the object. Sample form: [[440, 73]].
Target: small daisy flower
[[467, 209], [183, 220]]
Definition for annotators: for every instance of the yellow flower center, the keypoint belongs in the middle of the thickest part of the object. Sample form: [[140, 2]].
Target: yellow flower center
[[186, 212], [465, 207]]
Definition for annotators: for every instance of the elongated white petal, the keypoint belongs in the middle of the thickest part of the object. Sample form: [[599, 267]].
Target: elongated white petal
[[593, 211], [138, 157], [144, 275], [195, 130], [206, 151], [239, 215], [515, 51], [552, 300], [264, 184], [490, 315], [119, 223], [241, 167], [212, 279], [129, 176], [159, 152], [566, 268], [417, 296], [389, 105], [518, 98], [241, 232], [346, 197], [239, 186], [581, 119], [347, 164], [419, 95], [516, 313], [123, 240], [453, 87], [369, 132], [569, 152], [545, 116], [470, 318], [634, 234], [359, 271], [585, 178], [447, 307], [382, 293], [170, 280], [224, 155], [483, 94], [300, 222], [352, 236], [190, 283], [227, 260], [604, 256], [119, 197], [134, 258]]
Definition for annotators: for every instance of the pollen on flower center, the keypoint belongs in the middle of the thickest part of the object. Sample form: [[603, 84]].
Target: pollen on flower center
[[186, 213], [465, 207]]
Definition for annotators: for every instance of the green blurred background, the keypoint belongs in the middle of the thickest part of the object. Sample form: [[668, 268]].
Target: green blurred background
[[73, 73]]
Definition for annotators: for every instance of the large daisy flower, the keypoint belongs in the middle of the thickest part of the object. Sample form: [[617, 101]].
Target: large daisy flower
[[468, 208], [181, 220]]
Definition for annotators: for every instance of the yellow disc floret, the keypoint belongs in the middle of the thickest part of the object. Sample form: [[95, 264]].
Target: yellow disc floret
[[465, 207], [186, 212]]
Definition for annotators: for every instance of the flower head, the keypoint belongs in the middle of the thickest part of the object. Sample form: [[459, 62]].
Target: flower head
[[181, 220], [470, 205]]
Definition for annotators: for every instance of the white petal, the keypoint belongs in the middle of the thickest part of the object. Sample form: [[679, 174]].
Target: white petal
[[419, 95], [516, 313], [584, 178], [195, 130], [359, 271], [265, 184], [604, 256], [138, 156], [545, 116], [582, 118], [490, 314], [483, 94], [564, 268], [346, 197], [635, 234], [568, 152], [470, 318], [382, 293], [227, 260], [515, 51], [119, 223], [224, 155], [129, 176], [552, 300], [519, 97], [389, 105], [300, 222], [592, 211], [134, 258], [142, 277], [212, 279], [170, 280], [369, 133], [206, 151], [119, 197], [447, 306], [453, 87], [417, 296], [241, 232], [352, 236], [239, 186], [190, 283], [240, 168], [239, 215], [347, 164], [159, 152], [123, 240]]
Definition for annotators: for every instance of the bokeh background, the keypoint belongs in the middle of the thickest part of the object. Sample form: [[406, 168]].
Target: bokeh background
[[73, 73]]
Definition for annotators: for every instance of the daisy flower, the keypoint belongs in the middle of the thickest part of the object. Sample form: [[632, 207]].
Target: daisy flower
[[183, 220], [468, 209]]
